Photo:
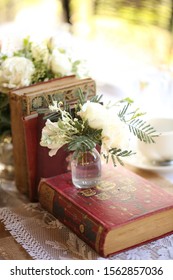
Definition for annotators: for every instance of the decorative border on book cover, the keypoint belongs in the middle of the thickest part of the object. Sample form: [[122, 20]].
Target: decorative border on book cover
[[30, 103]]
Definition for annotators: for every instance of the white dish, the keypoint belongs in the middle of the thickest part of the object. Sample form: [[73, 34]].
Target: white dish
[[138, 162]]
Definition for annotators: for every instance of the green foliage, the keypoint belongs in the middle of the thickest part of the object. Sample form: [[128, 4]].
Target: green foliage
[[144, 131], [117, 154], [81, 97], [26, 49], [81, 137], [43, 71], [81, 143]]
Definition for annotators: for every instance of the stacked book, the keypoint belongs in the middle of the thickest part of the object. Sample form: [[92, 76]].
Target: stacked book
[[31, 161], [124, 210]]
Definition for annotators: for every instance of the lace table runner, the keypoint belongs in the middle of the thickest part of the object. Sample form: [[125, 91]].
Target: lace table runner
[[45, 238]]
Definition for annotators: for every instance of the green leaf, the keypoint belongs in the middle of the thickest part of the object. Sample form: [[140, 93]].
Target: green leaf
[[81, 143], [144, 132], [116, 155], [96, 98]]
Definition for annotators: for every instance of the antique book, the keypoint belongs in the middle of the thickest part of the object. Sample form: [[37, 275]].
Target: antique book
[[39, 163], [25, 101], [124, 210]]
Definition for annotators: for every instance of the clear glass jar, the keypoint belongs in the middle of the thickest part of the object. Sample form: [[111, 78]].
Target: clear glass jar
[[86, 169]]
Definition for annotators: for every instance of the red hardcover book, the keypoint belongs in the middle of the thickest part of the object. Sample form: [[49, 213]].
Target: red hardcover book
[[122, 211], [39, 163], [49, 166]]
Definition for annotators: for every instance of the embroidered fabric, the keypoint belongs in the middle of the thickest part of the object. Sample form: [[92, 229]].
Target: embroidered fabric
[[45, 238]]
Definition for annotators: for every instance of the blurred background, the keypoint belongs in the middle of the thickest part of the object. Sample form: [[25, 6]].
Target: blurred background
[[127, 46], [127, 43]]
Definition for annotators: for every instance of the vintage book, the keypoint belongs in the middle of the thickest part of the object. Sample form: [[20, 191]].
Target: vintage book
[[39, 163], [25, 101], [122, 211]]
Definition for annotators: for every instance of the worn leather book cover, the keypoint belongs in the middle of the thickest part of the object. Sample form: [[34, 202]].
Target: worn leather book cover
[[39, 163], [122, 211], [25, 101]]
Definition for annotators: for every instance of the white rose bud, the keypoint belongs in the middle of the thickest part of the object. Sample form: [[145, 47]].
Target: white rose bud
[[60, 64]]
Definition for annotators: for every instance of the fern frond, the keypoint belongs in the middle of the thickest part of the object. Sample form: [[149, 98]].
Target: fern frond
[[116, 155], [123, 112], [144, 132]]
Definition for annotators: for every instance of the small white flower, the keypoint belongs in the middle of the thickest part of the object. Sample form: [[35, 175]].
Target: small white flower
[[16, 72], [52, 137]]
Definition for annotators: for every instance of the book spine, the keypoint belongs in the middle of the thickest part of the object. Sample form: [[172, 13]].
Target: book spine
[[34, 101], [19, 149], [83, 225]]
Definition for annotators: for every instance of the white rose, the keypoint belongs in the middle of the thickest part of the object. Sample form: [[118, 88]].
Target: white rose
[[40, 52], [114, 137], [16, 72], [115, 133], [60, 63], [95, 113]]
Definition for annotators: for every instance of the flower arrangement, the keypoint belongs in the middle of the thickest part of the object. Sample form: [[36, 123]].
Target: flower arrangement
[[36, 62], [92, 123], [31, 63]]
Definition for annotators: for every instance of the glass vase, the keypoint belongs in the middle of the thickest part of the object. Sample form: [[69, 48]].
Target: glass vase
[[86, 169]]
